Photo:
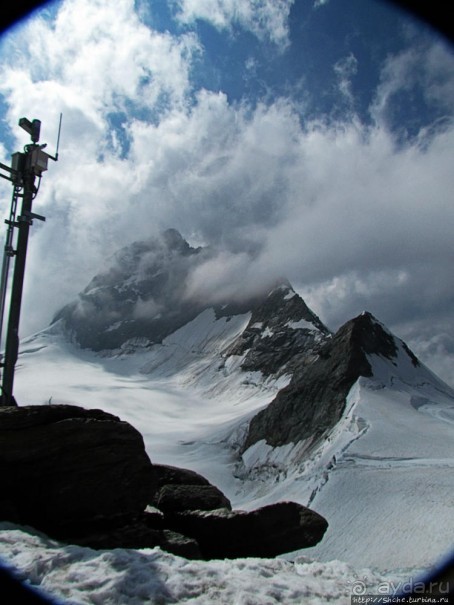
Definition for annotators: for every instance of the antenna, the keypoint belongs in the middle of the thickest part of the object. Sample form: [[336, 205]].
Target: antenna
[[58, 137], [55, 157], [25, 167]]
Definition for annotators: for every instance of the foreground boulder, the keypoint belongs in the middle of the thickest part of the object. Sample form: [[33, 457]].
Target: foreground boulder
[[64, 468], [177, 498], [173, 475], [265, 532], [179, 489], [143, 532], [83, 476]]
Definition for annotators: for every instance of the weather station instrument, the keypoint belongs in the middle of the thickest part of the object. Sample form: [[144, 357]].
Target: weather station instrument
[[26, 167]]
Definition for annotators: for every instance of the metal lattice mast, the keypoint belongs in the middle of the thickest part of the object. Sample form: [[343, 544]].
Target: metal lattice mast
[[25, 168]]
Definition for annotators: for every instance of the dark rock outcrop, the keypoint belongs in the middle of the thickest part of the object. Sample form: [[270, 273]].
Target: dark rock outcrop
[[172, 475], [83, 476], [315, 398], [181, 489], [175, 498], [64, 467], [139, 533], [281, 334], [265, 532]]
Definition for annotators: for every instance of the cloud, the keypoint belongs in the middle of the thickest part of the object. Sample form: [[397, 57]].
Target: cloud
[[345, 69], [266, 19], [146, 309], [96, 60], [421, 73], [435, 346], [228, 276], [93, 61], [354, 220]]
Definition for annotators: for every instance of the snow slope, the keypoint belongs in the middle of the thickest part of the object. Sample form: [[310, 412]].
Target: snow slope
[[182, 395], [383, 477]]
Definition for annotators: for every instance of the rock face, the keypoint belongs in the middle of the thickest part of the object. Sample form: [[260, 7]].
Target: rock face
[[281, 334], [315, 398], [265, 532], [142, 532], [83, 476], [64, 467]]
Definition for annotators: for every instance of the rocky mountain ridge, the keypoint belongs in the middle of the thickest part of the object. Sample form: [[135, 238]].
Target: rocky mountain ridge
[[140, 296], [314, 400]]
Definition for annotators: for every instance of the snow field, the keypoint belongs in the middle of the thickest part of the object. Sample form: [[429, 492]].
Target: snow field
[[82, 576], [382, 477]]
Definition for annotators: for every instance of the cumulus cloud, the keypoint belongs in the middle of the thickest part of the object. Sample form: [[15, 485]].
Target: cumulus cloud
[[96, 60], [356, 214], [352, 219], [424, 68], [266, 19]]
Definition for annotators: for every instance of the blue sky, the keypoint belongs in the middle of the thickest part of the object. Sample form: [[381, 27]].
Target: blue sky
[[308, 138]]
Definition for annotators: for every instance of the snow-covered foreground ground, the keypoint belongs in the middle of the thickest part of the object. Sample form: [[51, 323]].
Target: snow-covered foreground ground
[[383, 479], [82, 576]]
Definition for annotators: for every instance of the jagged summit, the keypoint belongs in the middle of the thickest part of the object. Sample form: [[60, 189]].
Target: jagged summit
[[282, 332], [143, 298], [315, 399]]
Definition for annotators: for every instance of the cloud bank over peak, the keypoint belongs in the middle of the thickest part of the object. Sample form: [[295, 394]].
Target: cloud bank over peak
[[354, 214]]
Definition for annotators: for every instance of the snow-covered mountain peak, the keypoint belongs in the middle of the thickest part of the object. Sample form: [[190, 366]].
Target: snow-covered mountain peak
[[315, 399], [389, 359], [282, 332], [143, 298]]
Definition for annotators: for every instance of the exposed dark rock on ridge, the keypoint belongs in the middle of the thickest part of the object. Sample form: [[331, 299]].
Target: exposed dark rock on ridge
[[314, 400], [282, 332]]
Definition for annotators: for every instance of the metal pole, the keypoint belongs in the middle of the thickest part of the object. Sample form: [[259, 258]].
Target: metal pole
[[12, 337], [25, 167], [7, 255]]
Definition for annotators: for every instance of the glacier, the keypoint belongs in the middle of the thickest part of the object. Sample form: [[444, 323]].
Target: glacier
[[382, 476]]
